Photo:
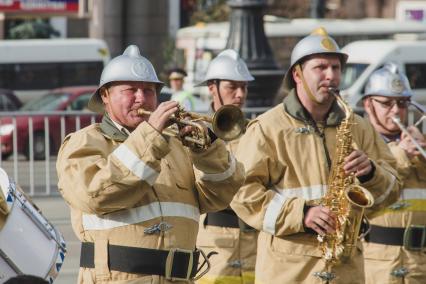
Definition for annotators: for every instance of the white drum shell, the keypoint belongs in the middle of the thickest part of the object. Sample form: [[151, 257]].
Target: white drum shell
[[29, 244]]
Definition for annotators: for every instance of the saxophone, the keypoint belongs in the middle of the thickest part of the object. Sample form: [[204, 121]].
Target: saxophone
[[344, 197]]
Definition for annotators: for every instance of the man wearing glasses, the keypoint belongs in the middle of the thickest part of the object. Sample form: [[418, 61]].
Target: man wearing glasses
[[395, 247]]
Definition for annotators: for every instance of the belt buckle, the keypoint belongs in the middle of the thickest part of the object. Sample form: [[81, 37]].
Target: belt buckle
[[408, 237], [169, 264]]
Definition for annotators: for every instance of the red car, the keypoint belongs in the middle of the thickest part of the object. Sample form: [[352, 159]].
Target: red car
[[45, 110], [9, 101]]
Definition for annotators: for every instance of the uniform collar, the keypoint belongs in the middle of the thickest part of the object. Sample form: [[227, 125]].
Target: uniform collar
[[112, 129], [294, 107], [395, 138]]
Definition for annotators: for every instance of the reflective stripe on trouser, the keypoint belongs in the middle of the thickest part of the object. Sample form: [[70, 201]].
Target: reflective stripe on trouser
[[246, 278]]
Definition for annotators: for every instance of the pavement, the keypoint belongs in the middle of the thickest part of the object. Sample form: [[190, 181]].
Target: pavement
[[57, 212]]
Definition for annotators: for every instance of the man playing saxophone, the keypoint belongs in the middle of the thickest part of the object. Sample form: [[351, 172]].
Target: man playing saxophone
[[394, 248], [288, 173], [135, 194]]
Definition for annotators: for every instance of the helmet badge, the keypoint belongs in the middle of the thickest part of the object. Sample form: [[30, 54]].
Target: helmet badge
[[397, 86], [327, 44], [141, 70]]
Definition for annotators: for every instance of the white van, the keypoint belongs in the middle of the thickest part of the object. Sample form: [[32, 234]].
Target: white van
[[367, 56], [32, 67]]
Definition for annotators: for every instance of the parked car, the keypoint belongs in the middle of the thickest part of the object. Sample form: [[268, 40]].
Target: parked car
[[9, 101], [62, 99]]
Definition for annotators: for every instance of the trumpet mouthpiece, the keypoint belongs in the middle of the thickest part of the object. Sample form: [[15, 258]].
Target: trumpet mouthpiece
[[142, 111], [396, 119]]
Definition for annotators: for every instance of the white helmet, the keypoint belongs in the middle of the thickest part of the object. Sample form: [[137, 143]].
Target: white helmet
[[228, 65], [318, 42], [388, 81], [130, 66]]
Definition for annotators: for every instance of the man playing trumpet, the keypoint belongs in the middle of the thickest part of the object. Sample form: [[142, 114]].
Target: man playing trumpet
[[135, 194], [395, 247]]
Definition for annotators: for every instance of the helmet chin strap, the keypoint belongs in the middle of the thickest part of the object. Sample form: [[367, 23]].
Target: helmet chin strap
[[305, 85], [217, 83]]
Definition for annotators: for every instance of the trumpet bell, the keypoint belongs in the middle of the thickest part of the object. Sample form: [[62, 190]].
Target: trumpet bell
[[228, 122]]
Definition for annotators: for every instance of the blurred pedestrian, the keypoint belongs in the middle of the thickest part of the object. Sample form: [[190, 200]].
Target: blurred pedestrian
[[184, 97]]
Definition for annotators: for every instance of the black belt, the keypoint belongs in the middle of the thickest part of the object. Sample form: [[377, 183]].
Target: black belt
[[173, 264], [412, 238], [226, 218]]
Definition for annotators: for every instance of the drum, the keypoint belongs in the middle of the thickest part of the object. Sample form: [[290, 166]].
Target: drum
[[29, 244]]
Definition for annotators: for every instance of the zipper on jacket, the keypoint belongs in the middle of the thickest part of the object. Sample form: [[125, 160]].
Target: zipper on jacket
[[327, 154], [322, 136]]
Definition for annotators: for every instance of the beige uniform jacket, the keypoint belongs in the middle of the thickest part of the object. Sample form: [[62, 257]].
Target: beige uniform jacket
[[287, 167], [383, 262], [117, 189], [4, 210], [236, 249]]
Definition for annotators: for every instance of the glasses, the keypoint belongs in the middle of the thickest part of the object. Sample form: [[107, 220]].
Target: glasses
[[401, 103]]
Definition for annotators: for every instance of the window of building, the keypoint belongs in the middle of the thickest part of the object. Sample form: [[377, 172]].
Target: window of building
[[416, 73]]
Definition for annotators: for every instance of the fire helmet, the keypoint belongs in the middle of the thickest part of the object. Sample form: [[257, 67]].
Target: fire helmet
[[318, 42], [228, 65], [388, 81], [130, 66]]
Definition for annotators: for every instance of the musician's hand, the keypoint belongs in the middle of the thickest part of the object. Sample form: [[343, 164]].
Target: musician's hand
[[407, 144], [160, 118], [358, 163], [320, 219]]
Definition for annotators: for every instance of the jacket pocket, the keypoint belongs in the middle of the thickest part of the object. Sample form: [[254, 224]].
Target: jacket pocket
[[380, 252], [296, 245], [209, 239], [420, 176], [181, 175]]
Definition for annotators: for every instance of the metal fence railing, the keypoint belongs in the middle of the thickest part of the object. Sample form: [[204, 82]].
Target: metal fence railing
[[29, 142]]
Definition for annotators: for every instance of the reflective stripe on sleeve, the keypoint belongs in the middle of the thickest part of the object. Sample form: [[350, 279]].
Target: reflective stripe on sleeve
[[413, 193], [274, 208], [140, 214], [272, 212], [135, 165], [221, 176], [388, 190]]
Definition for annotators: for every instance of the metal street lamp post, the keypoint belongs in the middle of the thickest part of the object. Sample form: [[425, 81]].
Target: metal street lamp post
[[247, 36]]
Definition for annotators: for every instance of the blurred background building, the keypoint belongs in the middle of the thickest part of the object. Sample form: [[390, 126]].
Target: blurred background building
[[152, 25]]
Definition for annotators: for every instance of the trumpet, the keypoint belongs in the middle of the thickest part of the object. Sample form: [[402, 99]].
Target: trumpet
[[228, 123], [404, 129], [421, 109]]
